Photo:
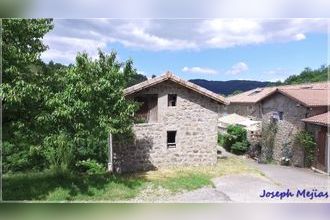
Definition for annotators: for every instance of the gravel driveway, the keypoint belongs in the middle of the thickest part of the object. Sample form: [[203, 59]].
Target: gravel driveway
[[249, 187]]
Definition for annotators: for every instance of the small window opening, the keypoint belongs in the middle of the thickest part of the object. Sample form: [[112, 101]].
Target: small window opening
[[171, 139], [280, 115], [172, 99]]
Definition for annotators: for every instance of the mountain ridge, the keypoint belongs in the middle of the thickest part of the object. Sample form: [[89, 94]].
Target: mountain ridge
[[230, 86]]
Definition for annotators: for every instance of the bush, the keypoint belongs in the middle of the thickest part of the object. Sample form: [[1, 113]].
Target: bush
[[91, 167], [240, 148], [220, 139], [307, 141], [235, 140], [228, 141], [58, 151]]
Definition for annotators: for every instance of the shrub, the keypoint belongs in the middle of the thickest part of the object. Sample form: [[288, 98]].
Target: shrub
[[238, 132], [235, 140], [91, 167], [307, 142], [240, 148], [58, 151], [228, 141], [220, 139]]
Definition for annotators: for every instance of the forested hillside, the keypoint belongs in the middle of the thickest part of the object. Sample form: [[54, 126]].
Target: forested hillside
[[309, 75], [229, 87]]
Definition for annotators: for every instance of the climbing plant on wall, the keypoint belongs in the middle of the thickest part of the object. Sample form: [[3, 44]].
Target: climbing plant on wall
[[306, 140], [268, 134]]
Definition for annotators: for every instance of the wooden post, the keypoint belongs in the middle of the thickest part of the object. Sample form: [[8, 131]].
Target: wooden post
[[110, 163]]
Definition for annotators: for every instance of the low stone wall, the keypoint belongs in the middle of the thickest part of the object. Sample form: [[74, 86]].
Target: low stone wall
[[147, 149]]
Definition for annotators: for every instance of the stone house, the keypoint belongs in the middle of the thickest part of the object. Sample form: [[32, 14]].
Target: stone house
[[286, 106], [319, 125], [177, 126]]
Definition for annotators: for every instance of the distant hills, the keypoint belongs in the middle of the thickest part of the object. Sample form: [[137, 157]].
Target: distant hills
[[229, 87], [308, 75]]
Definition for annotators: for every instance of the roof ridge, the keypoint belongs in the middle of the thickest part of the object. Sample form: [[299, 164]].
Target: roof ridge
[[170, 76]]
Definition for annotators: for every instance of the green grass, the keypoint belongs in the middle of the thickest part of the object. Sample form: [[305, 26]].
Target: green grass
[[52, 186], [63, 186], [185, 182]]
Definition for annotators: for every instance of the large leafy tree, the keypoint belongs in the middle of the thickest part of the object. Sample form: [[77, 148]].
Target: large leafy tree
[[56, 115], [22, 89], [89, 105]]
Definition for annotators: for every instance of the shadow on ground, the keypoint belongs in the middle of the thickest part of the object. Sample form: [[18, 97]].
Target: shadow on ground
[[38, 186]]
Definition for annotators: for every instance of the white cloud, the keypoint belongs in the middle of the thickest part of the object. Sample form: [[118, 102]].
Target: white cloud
[[64, 49], [200, 70], [70, 36], [238, 68], [175, 9], [300, 36]]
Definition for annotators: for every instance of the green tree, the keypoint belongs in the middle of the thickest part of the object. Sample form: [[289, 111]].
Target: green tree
[[136, 78], [22, 90], [89, 105], [56, 115], [237, 92], [309, 75]]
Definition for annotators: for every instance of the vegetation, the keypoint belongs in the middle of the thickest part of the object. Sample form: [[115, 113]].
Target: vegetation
[[135, 79], [226, 88], [240, 147], [57, 116], [308, 75], [236, 92], [307, 142], [268, 134], [220, 139], [58, 186], [235, 140]]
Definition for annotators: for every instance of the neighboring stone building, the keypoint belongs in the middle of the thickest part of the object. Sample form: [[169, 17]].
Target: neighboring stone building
[[319, 125], [248, 103], [178, 126], [285, 106]]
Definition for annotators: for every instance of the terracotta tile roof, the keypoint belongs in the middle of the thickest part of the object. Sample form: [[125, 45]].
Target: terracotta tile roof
[[322, 119], [252, 96], [313, 94], [308, 97], [170, 76]]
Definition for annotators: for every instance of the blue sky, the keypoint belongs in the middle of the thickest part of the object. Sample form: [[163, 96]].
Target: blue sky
[[214, 49]]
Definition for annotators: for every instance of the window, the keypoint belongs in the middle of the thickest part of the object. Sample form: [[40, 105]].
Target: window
[[171, 136], [280, 115], [148, 108], [172, 99], [277, 116]]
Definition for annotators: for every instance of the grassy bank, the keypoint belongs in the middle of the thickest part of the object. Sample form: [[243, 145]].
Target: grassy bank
[[55, 186]]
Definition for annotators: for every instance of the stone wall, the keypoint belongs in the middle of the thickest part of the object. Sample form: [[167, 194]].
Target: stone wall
[[284, 141], [248, 110], [195, 120]]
